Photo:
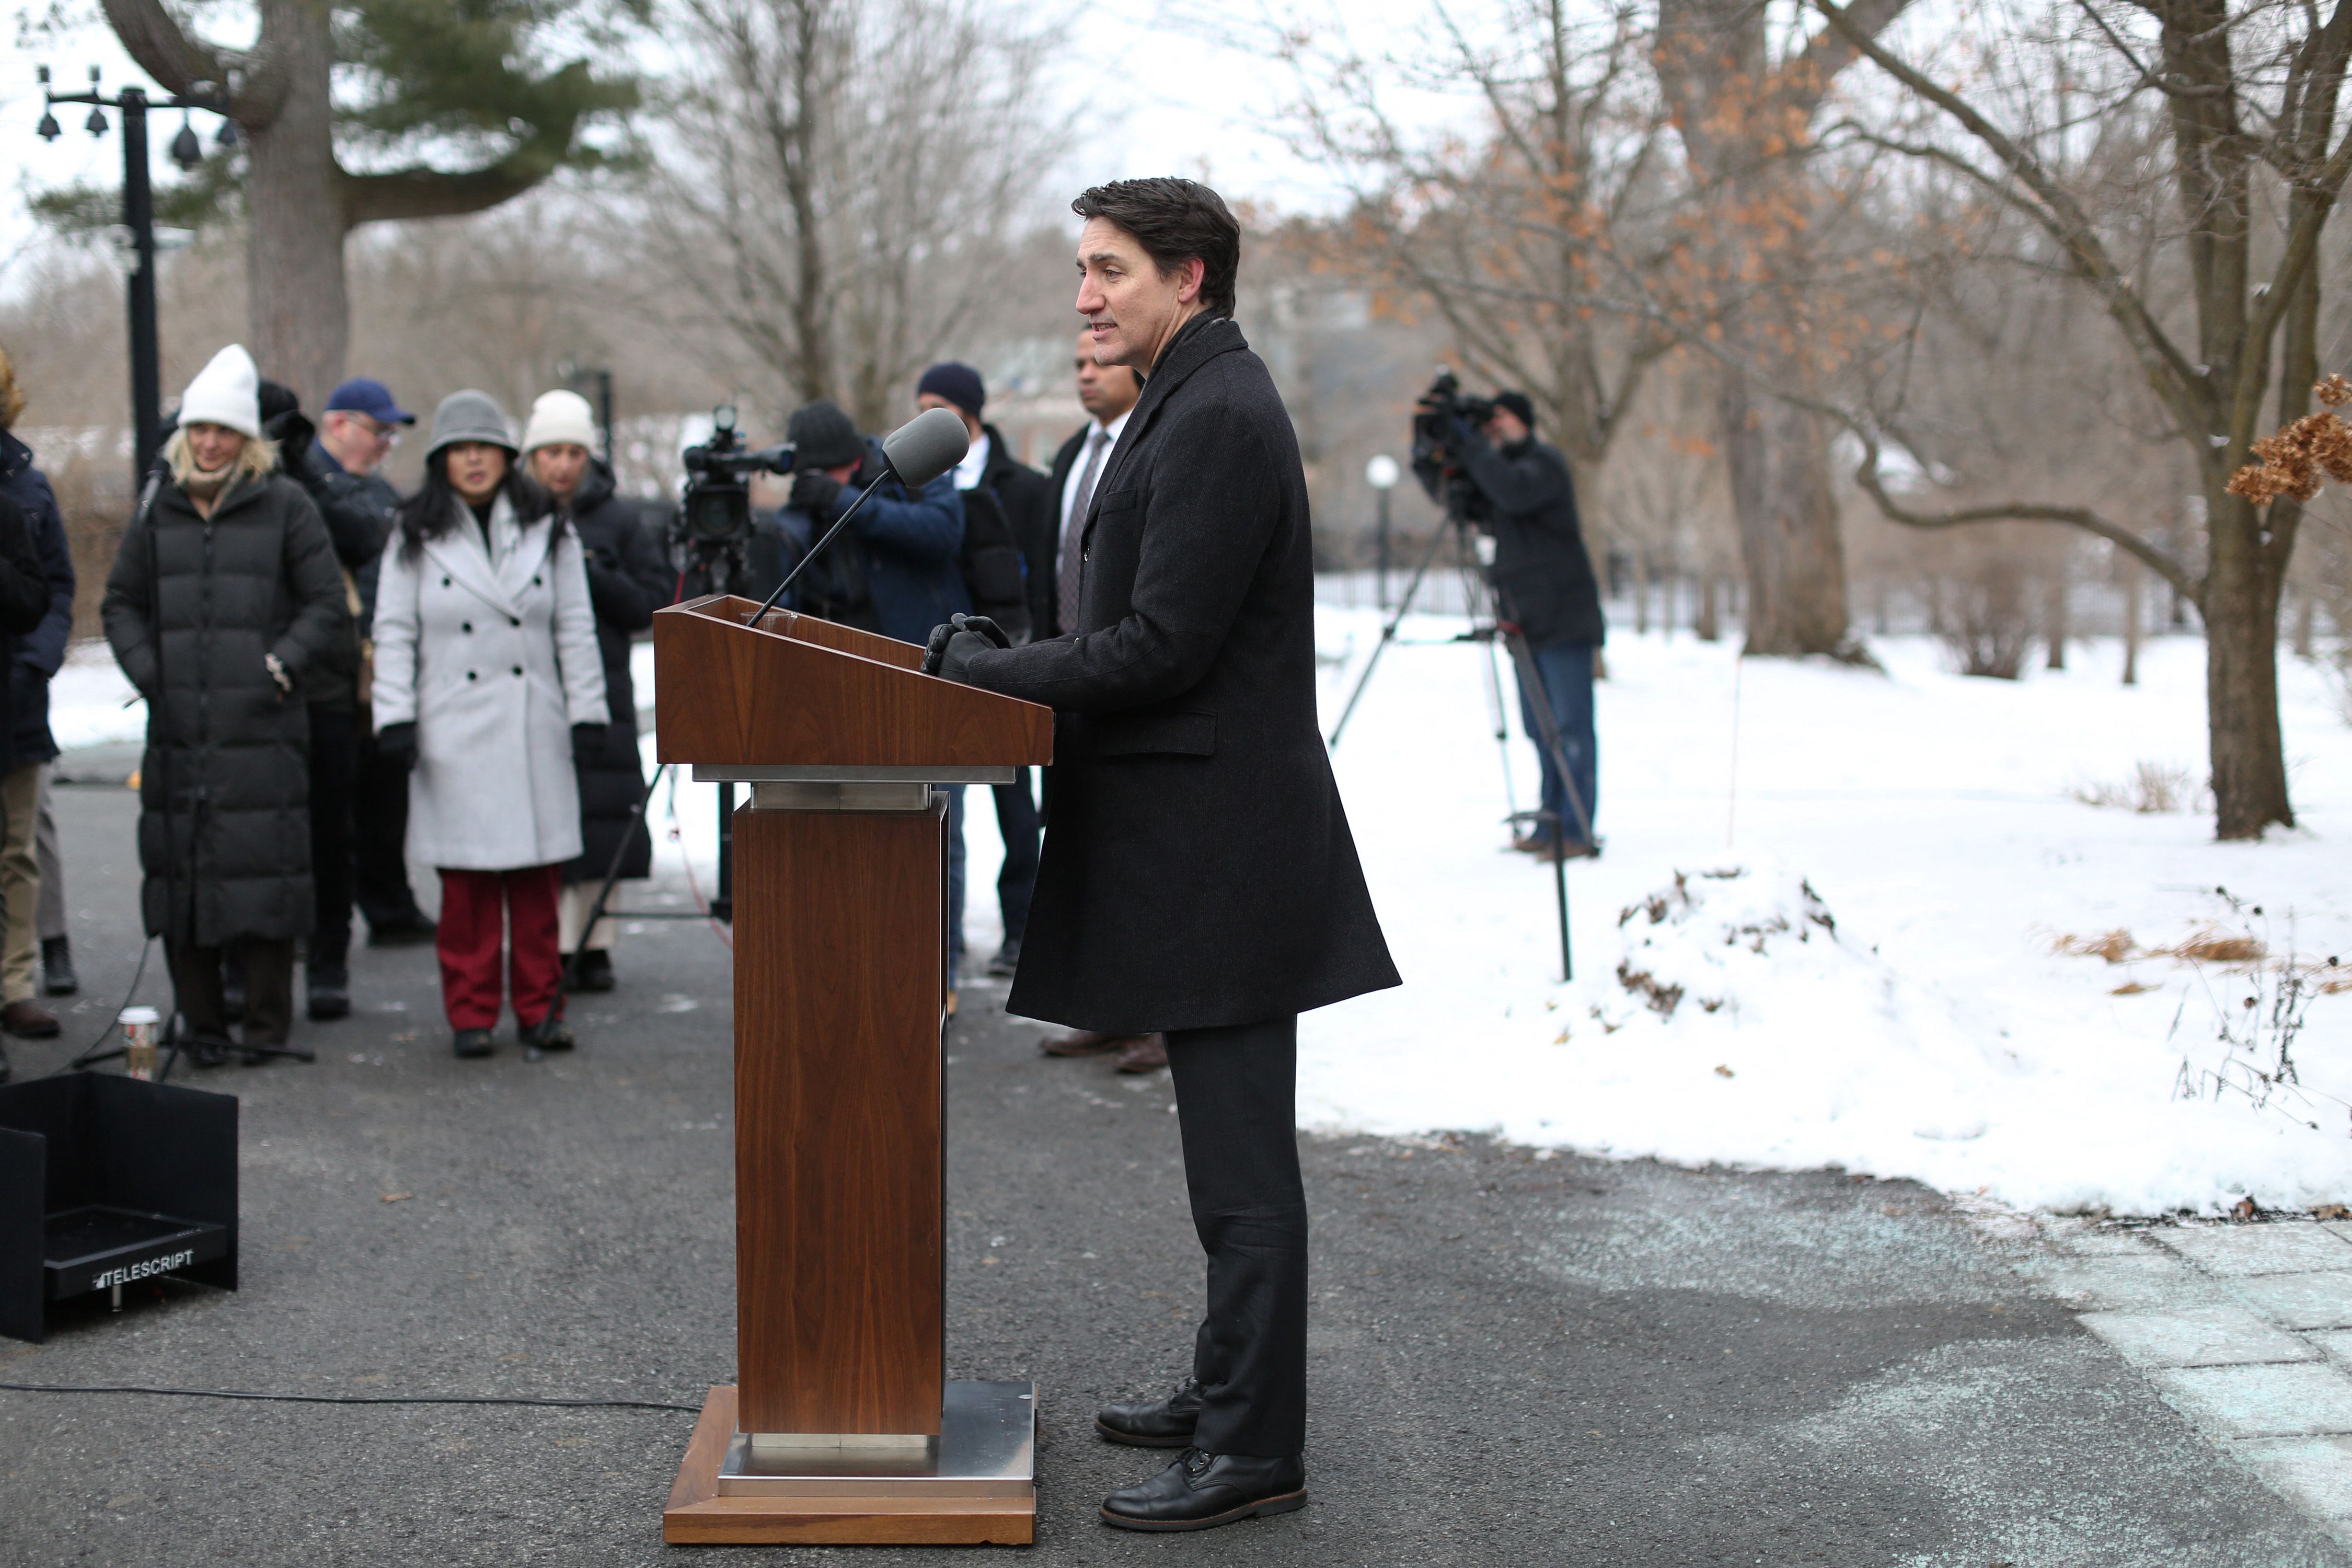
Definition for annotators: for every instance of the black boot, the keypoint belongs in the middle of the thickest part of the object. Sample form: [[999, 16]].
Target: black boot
[[593, 971], [330, 989], [471, 1042], [550, 1033], [58, 977], [1160, 1423], [1202, 1490]]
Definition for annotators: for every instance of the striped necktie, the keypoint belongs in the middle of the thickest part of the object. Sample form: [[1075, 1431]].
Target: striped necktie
[[1069, 576]]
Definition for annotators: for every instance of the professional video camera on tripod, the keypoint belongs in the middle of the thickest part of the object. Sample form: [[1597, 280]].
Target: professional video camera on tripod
[[1444, 420], [713, 530]]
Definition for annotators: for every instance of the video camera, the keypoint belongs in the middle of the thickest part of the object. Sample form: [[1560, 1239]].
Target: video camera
[[714, 519], [1436, 463]]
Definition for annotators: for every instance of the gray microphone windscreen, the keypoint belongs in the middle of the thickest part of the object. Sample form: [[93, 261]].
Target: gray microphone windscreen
[[926, 447]]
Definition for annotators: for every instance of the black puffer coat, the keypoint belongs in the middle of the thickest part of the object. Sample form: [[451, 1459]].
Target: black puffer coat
[[193, 608], [629, 580]]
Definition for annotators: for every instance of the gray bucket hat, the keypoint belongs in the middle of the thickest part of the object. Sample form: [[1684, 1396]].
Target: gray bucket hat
[[471, 416]]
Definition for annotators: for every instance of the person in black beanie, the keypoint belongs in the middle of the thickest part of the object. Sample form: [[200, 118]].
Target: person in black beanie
[[1004, 502]]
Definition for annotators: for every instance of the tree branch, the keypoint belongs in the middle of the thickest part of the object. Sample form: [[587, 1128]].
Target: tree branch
[[179, 62]]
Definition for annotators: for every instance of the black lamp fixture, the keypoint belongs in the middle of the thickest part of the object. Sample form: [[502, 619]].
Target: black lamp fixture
[[138, 220]]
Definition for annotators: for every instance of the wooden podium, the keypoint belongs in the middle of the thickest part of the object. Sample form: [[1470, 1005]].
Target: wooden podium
[[843, 1427]]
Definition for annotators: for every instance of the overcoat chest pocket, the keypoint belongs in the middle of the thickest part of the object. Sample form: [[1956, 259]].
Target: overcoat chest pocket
[[1191, 734]]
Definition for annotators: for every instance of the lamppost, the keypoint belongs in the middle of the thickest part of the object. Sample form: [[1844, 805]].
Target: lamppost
[[138, 220], [1381, 474]]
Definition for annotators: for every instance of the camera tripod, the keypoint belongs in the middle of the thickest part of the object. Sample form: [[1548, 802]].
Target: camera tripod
[[1490, 624]]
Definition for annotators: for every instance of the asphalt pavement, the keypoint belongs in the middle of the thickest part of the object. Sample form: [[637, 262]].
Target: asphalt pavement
[[1516, 1359]]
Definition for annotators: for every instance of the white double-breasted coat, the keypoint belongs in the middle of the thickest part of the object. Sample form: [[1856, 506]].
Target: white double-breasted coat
[[492, 655]]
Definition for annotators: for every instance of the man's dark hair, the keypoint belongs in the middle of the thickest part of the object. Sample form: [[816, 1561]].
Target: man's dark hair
[[1175, 220]]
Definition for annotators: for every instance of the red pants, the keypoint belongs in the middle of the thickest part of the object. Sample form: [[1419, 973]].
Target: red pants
[[477, 908]]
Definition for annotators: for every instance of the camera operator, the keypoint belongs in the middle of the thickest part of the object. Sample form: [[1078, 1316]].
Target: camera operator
[[1543, 580], [896, 570]]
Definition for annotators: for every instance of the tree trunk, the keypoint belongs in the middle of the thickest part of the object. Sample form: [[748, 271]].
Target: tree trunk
[[1709, 625], [2134, 575], [298, 313], [2304, 630], [2054, 616], [1776, 458], [2240, 606]]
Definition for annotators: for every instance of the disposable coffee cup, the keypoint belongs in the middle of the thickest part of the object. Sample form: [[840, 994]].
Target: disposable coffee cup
[[139, 1026]]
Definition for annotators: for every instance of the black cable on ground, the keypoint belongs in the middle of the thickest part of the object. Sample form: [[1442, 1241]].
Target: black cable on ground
[[348, 1398], [82, 1062]]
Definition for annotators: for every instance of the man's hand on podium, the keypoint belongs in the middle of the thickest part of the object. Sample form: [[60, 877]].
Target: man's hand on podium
[[949, 653]]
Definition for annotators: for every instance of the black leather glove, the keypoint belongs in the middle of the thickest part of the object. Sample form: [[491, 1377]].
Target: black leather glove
[[397, 744], [814, 492], [937, 645], [587, 740], [970, 635]]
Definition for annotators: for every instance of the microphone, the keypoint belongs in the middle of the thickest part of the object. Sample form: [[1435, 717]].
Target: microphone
[[916, 453]]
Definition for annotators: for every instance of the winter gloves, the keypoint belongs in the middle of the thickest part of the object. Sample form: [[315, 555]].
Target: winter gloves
[[397, 744], [815, 493], [949, 653]]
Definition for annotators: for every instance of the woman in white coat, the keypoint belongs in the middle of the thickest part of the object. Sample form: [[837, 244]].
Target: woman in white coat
[[488, 678]]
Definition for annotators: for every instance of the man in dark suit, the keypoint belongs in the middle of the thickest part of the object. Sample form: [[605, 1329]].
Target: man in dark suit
[[1108, 393], [1198, 878]]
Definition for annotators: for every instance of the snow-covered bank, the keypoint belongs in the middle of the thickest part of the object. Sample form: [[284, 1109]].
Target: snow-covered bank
[[1935, 1033]]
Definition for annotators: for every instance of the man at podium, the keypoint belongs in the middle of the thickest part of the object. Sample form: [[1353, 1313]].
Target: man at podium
[[1198, 876]]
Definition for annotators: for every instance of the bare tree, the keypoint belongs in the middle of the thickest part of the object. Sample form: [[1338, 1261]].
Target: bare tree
[[841, 193], [2249, 107], [1745, 112], [1507, 238]]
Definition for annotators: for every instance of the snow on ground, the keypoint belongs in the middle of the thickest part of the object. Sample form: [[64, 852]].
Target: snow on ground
[[1934, 1033], [1878, 988]]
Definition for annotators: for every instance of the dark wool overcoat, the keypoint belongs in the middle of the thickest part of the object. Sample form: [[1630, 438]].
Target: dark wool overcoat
[[629, 580], [1198, 870], [193, 608]]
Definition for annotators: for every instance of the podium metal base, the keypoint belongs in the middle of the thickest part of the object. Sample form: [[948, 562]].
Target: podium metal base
[[977, 1485]]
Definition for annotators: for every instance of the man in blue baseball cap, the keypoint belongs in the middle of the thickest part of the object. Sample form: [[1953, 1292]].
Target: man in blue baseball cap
[[357, 431]]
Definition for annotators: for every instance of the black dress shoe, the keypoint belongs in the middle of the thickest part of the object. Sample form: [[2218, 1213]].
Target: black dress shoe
[[58, 977], [1162, 1424], [471, 1042], [208, 1050], [1202, 1490], [1007, 959], [330, 988], [550, 1033]]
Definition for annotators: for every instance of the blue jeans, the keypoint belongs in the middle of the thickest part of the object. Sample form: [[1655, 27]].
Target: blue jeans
[[1565, 669], [955, 880]]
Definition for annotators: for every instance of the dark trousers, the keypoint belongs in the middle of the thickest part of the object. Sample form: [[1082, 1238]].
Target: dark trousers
[[483, 913], [1566, 670], [268, 987], [1236, 1090], [1016, 819], [334, 764], [380, 838]]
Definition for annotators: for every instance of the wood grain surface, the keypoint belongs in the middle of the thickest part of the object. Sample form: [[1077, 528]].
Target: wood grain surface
[[838, 1164], [813, 692]]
